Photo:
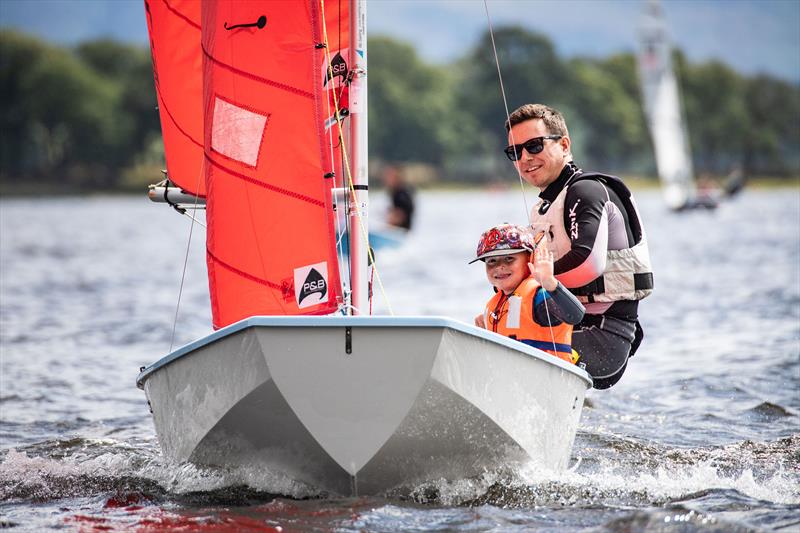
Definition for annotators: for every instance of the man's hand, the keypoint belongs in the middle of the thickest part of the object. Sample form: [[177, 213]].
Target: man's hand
[[480, 322]]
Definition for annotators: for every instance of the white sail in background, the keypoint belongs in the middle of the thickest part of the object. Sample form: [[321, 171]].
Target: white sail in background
[[663, 110]]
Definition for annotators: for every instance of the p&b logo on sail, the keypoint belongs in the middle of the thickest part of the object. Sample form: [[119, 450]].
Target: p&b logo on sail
[[311, 284], [336, 71]]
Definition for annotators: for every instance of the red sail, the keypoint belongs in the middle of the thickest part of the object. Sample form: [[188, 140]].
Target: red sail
[[174, 27], [270, 239]]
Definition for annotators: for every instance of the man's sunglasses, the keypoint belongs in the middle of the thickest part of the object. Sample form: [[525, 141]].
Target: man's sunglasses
[[533, 146]]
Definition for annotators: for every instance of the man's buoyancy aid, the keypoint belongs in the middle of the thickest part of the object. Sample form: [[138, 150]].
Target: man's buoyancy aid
[[512, 315], [628, 274]]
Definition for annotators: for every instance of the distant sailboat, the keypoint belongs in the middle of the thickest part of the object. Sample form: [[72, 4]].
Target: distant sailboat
[[662, 103], [341, 403]]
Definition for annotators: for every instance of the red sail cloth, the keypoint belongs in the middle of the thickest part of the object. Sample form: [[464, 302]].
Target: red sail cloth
[[270, 237], [174, 28]]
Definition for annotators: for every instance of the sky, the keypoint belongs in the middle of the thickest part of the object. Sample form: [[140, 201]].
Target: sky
[[752, 36]]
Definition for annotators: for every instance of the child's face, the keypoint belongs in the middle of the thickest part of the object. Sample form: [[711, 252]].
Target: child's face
[[506, 272]]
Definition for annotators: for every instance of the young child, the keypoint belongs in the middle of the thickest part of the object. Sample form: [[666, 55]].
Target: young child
[[530, 305]]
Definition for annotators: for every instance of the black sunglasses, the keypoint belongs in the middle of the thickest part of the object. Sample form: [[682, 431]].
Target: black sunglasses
[[533, 146]]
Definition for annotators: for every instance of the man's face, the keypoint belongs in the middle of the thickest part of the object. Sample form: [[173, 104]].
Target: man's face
[[542, 169]]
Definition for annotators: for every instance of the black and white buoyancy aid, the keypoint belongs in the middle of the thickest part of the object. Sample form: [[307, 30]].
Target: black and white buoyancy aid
[[628, 274]]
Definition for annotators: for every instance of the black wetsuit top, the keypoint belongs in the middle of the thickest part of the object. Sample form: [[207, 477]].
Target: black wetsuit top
[[586, 200]]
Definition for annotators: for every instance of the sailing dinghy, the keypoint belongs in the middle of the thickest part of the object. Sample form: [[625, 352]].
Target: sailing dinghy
[[298, 379], [664, 113]]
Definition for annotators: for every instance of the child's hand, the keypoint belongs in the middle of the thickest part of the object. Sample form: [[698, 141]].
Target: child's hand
[[542, 268], [479, 321]]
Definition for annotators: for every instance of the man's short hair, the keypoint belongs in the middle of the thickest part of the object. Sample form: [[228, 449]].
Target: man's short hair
[[553, 120]]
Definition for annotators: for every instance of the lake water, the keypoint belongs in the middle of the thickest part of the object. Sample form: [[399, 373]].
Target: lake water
[[702, 433]]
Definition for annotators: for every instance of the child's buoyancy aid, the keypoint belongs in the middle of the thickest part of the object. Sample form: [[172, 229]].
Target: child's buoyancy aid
[[513, 316]]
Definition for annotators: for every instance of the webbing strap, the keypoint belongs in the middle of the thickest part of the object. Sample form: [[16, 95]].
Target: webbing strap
[[548, 346], [642, 281]]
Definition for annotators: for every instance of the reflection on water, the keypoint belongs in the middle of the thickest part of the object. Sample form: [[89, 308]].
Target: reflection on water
[[702, 432]]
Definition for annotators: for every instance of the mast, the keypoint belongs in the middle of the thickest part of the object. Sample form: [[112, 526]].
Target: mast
[[359, 221]]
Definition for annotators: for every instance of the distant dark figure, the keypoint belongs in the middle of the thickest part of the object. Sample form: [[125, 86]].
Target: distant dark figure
[[710, 192], [401, 210]]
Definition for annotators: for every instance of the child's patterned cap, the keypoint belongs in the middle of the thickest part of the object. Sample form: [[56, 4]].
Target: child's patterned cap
[[504, 239]]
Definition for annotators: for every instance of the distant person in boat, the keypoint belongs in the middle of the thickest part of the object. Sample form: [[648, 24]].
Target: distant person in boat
[[401, 208], [530, 305], [593, 227]]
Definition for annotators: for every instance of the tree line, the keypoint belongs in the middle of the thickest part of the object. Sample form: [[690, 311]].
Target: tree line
[[85, 117]]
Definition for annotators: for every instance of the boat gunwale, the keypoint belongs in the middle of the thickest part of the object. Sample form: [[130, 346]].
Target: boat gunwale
[[360, 321]]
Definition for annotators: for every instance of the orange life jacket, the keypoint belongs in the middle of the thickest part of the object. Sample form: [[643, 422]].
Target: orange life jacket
[[512, 315]]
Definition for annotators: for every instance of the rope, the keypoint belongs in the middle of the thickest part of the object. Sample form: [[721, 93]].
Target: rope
[[343, 265], [194, 220], [505, 102], [346, 163], [185, 263], [513, 141], [340, 231]]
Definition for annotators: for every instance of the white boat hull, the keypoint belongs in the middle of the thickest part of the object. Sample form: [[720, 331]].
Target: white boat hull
[[413, 399]]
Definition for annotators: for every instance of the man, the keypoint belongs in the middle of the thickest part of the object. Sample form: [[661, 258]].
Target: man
[[401, 211], [591, 224]]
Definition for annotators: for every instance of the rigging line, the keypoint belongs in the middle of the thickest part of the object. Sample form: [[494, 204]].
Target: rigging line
[[546, 308], [505, 104], [194, 220], [342, 148], [341, 226], [185, 261], [550, 321], [343, 265], [513, 141], [346, 164]]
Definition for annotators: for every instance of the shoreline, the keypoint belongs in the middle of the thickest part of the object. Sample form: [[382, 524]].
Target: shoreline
[[635, 183]]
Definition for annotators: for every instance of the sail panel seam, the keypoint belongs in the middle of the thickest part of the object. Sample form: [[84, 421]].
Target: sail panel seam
[[180, 15], [195, 192], [175, 122], [242, 273], [292, 194], [271, 83]]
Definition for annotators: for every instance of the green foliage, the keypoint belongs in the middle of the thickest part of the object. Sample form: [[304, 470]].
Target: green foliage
[[130, 67], [716, 112], [61, 110], [612, 116], [530, 68], [771, 147], [63, 119], [409, 105], [86, 117]]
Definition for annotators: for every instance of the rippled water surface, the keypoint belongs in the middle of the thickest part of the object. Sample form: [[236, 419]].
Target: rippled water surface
[[701, 434]]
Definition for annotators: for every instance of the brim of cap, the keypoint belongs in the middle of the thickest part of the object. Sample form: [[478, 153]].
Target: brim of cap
[[495, 253]]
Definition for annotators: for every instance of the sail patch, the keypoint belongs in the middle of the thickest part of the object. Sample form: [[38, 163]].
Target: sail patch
[[236, 132], [311, 284]]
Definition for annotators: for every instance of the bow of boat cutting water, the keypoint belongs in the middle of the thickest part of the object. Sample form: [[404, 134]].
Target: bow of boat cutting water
[[701, 434]]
